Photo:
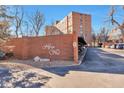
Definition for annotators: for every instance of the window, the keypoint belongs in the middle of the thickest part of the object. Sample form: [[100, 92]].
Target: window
[[81, 26]]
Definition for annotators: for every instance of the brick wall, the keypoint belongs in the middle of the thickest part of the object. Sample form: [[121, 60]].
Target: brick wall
[[56, 47]]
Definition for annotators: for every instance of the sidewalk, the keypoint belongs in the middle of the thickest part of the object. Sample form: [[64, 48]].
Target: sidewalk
[[82, 79], [114, 51]]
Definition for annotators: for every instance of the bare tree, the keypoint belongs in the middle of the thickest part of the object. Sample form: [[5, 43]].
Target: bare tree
[[18, 16], [37, 21], [102, 36], [26, 24], [5, 19], [122, 6], [98, 39], [94, 38], [114, 21], [4, 30], [5, 24], [4, 13]]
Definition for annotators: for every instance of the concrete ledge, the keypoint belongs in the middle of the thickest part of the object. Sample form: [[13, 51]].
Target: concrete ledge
[[82, 57]]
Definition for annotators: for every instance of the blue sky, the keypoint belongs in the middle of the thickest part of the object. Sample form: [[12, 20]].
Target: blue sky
[[57, 12]]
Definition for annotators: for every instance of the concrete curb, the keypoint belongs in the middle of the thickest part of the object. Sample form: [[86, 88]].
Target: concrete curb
[[82, 57], [80, 60]]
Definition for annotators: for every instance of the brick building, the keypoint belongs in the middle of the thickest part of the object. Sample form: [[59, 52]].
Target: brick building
[[73, 22], [116, 36]]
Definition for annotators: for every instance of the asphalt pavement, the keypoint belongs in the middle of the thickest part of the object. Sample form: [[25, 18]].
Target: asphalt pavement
[[96, 60]]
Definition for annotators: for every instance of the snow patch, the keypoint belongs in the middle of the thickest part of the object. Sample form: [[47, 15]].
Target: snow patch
[[37, 59]]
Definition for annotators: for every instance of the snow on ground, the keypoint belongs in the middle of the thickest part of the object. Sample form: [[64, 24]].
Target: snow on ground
[[26, 73], [14, 75]]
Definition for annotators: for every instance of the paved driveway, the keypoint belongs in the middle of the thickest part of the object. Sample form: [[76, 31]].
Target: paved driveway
[[96, 60], [115, 51]]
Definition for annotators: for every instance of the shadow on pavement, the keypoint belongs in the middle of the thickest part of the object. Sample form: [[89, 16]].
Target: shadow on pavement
[[96, 60]]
